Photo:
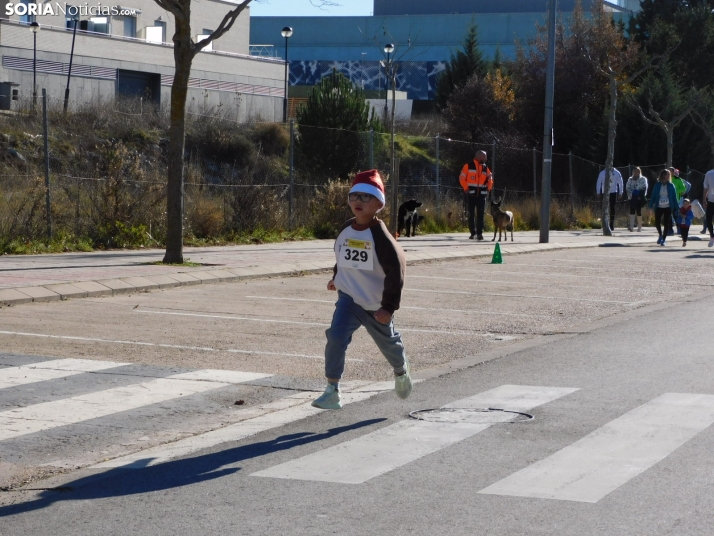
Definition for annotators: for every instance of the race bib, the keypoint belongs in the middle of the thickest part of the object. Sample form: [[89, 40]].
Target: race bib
[[357, 254], [664, 202]]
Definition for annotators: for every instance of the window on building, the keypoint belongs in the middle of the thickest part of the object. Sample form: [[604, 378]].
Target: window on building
[[70, 18], [161, 24], [201, 37], [129, 26], [101, 24], [28, 18]]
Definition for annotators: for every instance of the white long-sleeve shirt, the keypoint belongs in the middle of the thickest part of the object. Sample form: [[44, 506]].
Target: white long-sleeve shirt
[[617, 187]]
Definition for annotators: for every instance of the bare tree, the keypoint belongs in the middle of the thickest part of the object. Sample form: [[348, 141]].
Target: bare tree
[[185, 49], [616, 58], [673, 102]]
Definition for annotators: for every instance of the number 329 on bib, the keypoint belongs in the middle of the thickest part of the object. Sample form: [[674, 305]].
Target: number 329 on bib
[[356, 254]]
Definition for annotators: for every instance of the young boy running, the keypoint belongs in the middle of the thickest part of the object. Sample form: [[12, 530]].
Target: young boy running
[[368, 278]]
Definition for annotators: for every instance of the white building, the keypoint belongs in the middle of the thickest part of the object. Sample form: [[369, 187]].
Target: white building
[[127, 50]]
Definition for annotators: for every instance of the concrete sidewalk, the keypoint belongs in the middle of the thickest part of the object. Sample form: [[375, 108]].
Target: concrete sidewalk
[[42, 278]]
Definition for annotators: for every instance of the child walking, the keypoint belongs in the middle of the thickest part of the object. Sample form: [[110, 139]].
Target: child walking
[[684, 219], [368, 278]]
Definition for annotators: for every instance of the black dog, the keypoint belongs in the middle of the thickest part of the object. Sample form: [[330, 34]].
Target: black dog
[[408, 217]]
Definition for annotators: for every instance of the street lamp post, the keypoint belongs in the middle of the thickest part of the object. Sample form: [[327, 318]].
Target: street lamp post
[[286, 33], [34, 28], [69, 72], [361, 74], [389, 69], [388, 49]]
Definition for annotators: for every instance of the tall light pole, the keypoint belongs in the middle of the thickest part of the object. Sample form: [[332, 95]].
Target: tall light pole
[[361, 74], [548, 127], [286, 33], [69, 72], [389, 69], [34, 28], [388, 49]]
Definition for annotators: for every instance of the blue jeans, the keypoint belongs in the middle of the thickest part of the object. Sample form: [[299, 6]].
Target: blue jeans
[[347, 319]]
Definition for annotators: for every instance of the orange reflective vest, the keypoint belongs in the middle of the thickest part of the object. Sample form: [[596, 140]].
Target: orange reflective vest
[[476, 177]]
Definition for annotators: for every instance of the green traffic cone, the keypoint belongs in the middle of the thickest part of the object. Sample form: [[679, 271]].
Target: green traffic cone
[[497, 259]]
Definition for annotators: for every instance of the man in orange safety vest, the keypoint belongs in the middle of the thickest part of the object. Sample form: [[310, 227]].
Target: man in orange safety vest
[[477, 181]]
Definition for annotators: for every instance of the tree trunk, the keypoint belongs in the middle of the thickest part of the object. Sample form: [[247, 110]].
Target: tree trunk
[[611, 133], [670, 144], [183, 56]]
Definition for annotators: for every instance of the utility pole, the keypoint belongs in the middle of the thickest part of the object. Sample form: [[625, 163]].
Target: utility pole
[[548, 127]]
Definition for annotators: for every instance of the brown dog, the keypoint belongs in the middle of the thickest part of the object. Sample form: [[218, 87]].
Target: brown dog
[[502, 220]]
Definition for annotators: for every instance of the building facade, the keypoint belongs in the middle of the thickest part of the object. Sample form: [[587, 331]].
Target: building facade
[[425, 34], [129, 52]]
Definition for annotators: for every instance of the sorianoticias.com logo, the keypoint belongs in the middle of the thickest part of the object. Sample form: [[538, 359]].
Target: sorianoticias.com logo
[[86, 10]]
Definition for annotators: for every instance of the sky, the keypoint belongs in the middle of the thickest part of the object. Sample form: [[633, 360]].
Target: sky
[[293, 8]]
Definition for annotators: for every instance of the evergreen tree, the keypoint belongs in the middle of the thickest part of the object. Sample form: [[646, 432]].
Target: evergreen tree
[[461, 67], [331, 127]]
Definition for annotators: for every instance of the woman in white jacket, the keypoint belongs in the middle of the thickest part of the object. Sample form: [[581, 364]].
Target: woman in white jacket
[[636, 193]]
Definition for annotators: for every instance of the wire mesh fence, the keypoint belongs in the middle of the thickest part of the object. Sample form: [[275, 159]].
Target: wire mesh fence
[[117, 196]]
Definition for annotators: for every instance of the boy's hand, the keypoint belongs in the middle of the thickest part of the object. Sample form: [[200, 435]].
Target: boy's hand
[[331, 285], [383, 316]]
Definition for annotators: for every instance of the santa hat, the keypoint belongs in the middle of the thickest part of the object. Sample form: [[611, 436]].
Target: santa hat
[[369, 182]]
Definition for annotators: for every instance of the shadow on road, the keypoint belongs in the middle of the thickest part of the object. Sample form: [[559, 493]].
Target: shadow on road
[[174, 474]]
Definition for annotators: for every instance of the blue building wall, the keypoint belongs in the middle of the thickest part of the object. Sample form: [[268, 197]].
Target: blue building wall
[[354, 45]]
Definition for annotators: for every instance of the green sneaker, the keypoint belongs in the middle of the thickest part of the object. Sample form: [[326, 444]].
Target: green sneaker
[[330, 399], [403, 383]]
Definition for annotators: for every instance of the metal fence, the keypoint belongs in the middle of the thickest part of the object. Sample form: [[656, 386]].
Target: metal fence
[[124, 197]]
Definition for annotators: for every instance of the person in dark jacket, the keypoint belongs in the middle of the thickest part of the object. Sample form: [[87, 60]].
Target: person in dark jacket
[[664, 202]]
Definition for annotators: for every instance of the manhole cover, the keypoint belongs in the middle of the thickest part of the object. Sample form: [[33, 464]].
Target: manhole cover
[[470, 415]]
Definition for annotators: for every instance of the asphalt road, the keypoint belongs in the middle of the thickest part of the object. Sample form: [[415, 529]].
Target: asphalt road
[[608, 349]]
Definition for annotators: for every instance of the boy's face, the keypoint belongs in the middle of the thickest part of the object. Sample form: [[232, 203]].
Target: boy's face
[[364, 206]]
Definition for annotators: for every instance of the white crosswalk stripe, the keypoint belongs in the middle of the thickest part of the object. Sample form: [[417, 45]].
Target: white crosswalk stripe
[[371, 455], [51, 370], [45, 416], [601, 462]]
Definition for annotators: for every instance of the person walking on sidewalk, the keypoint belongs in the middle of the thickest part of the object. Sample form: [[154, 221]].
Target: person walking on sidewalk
[[616, 189], [636, 188], [663, 201], [708, 202], [682, 187], [477, 181], [684, 219], [368, 278]]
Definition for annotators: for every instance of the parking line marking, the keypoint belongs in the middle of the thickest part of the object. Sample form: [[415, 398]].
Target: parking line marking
[[258, 419], [51, 370], [479, 311], [55, 413], [559, 298], [371, 455], [609, 457], [160, 345], [224, 317]]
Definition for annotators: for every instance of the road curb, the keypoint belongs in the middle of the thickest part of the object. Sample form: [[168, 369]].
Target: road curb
[[127, 285]]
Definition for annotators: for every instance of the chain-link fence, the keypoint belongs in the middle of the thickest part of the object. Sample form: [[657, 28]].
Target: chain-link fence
[[117, 195]]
